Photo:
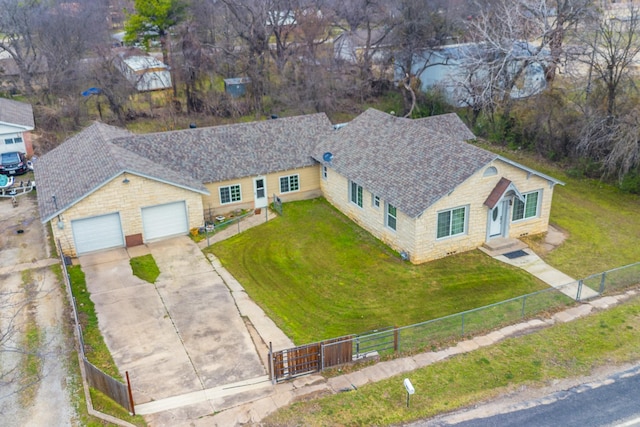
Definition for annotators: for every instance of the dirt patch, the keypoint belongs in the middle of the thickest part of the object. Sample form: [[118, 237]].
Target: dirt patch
[[24, 241]]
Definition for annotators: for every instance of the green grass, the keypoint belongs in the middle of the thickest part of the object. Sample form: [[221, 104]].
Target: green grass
[[601, 222], [145, 267], [562, 351], [100, 401], [95, 348], [31, 358], [319, 275]]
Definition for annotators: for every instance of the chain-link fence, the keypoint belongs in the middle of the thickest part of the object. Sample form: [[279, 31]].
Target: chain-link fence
[[436, 333]]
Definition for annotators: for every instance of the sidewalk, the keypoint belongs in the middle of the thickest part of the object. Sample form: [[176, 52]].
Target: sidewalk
[[251, 401], [254, 410]]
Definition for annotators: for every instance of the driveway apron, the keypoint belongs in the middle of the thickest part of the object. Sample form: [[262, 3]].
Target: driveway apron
[[180, 335]]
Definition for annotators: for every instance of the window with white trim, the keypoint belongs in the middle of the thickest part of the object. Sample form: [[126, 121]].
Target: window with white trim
[[528, 209], [16, 140], [375, 201], [452, 222], [289, 183], [230, 194], [392, 216], [355, 193]]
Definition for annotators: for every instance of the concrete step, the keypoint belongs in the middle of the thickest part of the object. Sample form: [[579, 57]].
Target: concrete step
[[502, 245]]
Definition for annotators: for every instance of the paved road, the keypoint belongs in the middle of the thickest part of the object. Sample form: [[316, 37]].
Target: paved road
[[614, 401]]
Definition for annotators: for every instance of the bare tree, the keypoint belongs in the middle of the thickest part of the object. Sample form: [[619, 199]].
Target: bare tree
[[18, 39], [66, 33], [612, 124]]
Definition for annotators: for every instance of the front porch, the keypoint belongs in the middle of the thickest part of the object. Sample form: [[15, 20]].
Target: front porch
[[502, 245]]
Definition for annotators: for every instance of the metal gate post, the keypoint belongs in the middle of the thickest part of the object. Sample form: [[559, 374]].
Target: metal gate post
[[272, 372], [133, 407]]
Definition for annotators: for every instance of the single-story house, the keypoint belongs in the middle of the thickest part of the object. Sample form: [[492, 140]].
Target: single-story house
[[421, 188], [106, 187], [444, 68], [415, 184], [16, 124]]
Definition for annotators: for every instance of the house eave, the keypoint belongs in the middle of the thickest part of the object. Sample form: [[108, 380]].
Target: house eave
[[113, 177], [531, 171]]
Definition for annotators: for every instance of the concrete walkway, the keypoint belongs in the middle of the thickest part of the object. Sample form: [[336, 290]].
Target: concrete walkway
[[252, 409], [252, 400], [535, 266]]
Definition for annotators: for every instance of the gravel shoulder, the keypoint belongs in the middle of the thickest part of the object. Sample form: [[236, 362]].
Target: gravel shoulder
[[23, 241]]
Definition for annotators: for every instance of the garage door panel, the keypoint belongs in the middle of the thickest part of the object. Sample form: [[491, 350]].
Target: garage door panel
[[97, 233], [165, 220]]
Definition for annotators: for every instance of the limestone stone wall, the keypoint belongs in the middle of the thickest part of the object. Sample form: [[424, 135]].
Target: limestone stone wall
[[308, 179], [335, 189], [128, 199], [473, 194], [418, 236]]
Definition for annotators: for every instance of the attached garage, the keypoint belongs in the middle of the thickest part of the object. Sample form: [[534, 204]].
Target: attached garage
[[97, 233], [165, 220]]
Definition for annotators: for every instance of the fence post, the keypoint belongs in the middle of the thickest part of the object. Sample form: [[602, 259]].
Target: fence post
[[358, 347], [524, 301], [602, 281], [272, 373], [395, 339], [579, 294], [133, 407], [462, 317], [321, 357]]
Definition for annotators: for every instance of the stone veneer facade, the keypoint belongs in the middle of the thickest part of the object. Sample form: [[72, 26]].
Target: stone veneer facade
[[417, 236], [128, 199], [308, 179]]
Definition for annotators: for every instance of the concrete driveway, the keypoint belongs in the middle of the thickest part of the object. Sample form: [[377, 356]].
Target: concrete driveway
[[181, 335]]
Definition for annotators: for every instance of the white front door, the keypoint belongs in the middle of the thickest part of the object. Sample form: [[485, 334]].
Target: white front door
[[260, 192], [496, 221]]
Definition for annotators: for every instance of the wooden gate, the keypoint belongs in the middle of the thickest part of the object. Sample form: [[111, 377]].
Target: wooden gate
[[307, 359]]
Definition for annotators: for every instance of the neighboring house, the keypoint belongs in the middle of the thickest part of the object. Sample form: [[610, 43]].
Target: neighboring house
[[16, 124], [420, 188], [106, 187], [414, 184], [350, 46], [443, 68], [143, 71]]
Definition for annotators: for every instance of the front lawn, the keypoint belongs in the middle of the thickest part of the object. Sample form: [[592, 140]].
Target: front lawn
[[318, 275]]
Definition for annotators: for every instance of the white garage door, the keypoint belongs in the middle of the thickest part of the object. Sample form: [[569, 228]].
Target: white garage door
[[164, 220], [98, 232]]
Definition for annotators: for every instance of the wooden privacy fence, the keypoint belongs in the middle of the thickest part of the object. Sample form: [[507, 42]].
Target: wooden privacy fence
[[111, 387], [119, 392], [310, 358]]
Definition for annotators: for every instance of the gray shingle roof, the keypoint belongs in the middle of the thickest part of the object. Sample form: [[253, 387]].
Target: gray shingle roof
[[87, 161], [17, 113], [409, 163], [220, 153]]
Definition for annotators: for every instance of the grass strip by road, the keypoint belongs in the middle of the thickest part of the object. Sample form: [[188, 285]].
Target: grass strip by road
[[145, 268], [319, 275], [562, 351], [96, 350]]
